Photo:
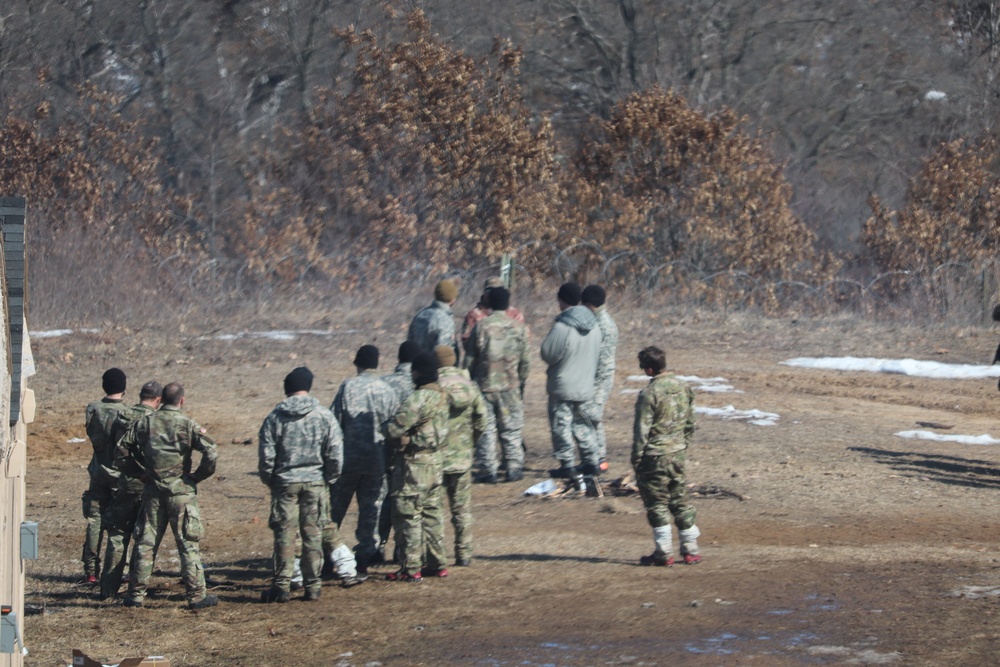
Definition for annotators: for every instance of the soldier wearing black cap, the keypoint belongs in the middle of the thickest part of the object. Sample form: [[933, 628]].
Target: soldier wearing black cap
[[100, 417], [363, 406]]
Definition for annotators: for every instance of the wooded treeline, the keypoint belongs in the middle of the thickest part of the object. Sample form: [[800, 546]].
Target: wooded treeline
[[261, 141]]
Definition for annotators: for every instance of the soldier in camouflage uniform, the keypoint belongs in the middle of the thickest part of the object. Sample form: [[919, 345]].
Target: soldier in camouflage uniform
[[470, 420], [571, 350], [435, 325], [300, 452], [593, 297], [100, 417], [497, 357], [664, 424], [482, 310], [419, 431], [163, 443], [124, 510], [401, 379], [363, 406]]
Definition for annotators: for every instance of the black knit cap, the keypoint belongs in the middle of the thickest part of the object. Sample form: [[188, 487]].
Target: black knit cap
[[113, 381], [300, 379], [367, 357], [424, 369], [407, 351], [570, 293], [498, 298], [593, 295]]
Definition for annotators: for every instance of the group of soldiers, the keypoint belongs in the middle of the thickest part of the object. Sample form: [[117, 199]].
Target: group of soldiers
[[421, 436]]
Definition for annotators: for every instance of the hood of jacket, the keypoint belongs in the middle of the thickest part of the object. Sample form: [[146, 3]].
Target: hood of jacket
[[579, 317], [298, 406]]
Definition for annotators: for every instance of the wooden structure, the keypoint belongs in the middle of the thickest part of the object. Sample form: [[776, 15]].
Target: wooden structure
[[17, 402]]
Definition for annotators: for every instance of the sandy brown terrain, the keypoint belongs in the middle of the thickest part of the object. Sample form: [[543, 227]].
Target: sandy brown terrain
[[851, 546]]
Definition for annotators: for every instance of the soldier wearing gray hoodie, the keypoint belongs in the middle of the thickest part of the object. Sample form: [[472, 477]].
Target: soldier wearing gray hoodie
[[571, 351]]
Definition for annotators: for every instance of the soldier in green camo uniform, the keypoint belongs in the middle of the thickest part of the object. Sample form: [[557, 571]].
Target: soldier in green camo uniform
[[299, 456], [401, 379], [470, 420], [363, 406], [664, 424], [100, 417], [593, 297], [419, 430], [497, 357], [163, 443], [124, 510]]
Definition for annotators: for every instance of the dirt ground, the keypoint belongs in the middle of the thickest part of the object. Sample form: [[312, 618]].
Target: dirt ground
[[851, 546]]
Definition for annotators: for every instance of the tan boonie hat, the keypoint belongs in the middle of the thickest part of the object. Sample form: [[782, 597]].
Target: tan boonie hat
[[446, 290], [445, 355]]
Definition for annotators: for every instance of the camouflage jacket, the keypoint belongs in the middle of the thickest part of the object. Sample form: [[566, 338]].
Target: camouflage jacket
[[130, 469], [363, 406], [605, 377], [423, 418], [497, 354], [163, 443], [433, 326], [300, 441], [401, 380], [469, 418], [481, 312], [664, 418], [100, 417]]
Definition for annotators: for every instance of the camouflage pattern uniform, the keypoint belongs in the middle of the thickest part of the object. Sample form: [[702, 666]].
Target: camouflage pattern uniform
[[481, 312], [100, 417], [571, 350], [498, 360], [470, 420], [123, 512], [664, 425], [401, 379], [300, 453], [416, 479], [433, 326], [163, 443], [363, 406], [605, 379]]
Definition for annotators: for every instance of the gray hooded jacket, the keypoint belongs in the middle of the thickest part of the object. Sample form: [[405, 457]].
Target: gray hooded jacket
[[571, 350], [300, 441]]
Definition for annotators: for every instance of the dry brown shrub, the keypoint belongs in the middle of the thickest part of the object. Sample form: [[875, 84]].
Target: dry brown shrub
[[694, 195], [425, 159], [95, 210], [950, 215]]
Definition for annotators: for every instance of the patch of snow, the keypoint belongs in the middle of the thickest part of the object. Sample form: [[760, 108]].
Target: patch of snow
[[76, 440], [935, 96], [984, 439], [273, 335], [912, 367], [755, 417], [975, 592]]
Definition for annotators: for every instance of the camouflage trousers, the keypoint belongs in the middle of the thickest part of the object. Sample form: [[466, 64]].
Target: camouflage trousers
[[301, 509], [120, 521], [664, 490], [572, 427], [508, 412], [180, 513], [370, 491], [595, 411], [417, 517], [96, 500], [458, 487]]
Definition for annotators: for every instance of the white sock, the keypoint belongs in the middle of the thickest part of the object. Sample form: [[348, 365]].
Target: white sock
[[663, 538]]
